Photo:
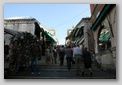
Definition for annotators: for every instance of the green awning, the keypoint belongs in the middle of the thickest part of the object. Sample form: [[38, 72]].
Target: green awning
[[48, 37], [104, 37], [102, 15]]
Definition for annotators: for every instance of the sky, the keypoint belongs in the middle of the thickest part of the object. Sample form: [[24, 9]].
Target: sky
[[59, 17]]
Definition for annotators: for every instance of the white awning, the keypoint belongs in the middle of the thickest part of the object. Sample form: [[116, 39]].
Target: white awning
[[81, 41]]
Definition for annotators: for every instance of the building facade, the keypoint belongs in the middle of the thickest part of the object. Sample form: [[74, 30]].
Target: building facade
[[30, 25], [82, 34], [24, 24], [104, 29]]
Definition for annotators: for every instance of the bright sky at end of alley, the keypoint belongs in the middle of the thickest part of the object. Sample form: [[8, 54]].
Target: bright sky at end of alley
[[53, 16]]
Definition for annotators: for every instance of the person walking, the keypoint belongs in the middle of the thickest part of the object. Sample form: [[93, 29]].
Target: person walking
[[69, 56], [47, 54], [55, 55], [58, 52], [51, 54], [35, 50], [87, 62], [6, 58], [61, 55], [77, 54], [93, 57]]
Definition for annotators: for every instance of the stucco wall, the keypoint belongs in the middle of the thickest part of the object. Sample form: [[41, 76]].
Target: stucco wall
[[107, 59], [24, 26]]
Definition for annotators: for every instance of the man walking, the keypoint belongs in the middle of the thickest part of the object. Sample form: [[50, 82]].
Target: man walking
[[61, 55], [69, 57], [35, 50], [77, 53], [55, 55], [87, 61]]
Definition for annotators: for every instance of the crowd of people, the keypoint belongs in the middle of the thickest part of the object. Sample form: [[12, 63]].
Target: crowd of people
[[25, 52], [79, 56]]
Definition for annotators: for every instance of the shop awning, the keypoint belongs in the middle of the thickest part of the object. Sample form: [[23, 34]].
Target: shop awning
[[104, 37], [79, 32], [102, 15], [81, 41], [48, 37]]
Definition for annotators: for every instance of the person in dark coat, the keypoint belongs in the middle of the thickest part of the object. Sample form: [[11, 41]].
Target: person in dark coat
[[6, 58], [87, 61], [61, 55], [35, 53], [55, 55], [69, 57]]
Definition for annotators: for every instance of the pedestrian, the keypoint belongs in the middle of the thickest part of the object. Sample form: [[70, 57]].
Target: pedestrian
[[6, 58], [51, 55], [93, 57], [77, 54], [58, 52], [35, 50], [47, 55], [55, 55], [69, 56], [61, 55], [87, 62]]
